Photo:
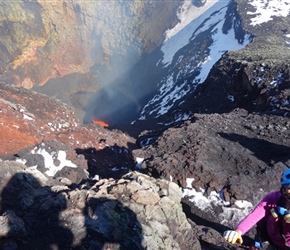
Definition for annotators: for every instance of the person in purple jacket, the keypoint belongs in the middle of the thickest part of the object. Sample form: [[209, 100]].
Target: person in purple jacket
[[272, 217]]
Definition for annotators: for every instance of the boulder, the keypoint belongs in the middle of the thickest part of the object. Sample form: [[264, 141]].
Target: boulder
[[134, 212]]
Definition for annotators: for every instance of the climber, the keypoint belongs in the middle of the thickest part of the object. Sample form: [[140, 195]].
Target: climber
[[271, 217]]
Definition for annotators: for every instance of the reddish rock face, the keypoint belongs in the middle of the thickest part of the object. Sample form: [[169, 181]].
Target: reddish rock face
[[42, 41], [52, 43], [76, 49], [28, 118]]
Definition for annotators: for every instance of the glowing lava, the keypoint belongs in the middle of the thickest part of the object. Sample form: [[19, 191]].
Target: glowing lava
[[99, 122]]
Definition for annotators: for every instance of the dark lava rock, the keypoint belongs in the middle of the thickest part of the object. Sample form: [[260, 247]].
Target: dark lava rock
[[238, 155], [134, 212]]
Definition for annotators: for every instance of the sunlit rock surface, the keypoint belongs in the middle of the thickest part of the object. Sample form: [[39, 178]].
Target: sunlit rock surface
[[134, 212], [217, 160], [224, 144]]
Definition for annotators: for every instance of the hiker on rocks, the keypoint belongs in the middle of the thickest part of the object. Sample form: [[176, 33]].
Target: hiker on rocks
[[271, 216]]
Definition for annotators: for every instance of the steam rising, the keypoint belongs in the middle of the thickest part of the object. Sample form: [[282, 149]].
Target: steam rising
[[123, 42]]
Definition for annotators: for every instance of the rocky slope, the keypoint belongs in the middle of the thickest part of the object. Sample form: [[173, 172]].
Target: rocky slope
[[108, 214], [160, 183], [82, 198], [226, 157]]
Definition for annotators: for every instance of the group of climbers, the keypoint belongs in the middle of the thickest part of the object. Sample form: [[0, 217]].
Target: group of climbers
[[271, 218]]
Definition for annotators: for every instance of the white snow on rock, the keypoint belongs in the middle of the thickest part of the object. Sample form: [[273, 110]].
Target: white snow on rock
[[212, 17], [179, 36], [266, 10], [229, 216], [49, 161]]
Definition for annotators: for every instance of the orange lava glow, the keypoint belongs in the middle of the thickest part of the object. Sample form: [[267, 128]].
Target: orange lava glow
[[102, 123]]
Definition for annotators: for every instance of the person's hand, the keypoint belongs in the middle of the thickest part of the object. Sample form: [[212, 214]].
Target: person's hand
[[233, 236]]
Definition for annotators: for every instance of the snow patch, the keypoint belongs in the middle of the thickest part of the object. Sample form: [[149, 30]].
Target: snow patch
[[170, 91], [228, 216], [186, 14], [139, 162], [266, 10], [49, 161], [191, 18], [26, 117]]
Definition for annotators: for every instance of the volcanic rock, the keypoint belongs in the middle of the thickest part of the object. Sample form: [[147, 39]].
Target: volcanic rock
[[176, 181], [33, 123], [134, 212]]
